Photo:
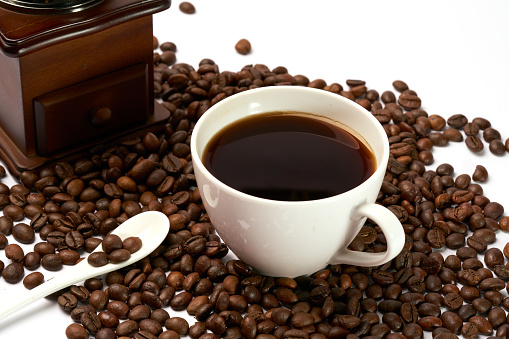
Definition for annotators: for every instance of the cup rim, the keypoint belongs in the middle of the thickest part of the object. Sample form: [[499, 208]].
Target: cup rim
[[197, 158]]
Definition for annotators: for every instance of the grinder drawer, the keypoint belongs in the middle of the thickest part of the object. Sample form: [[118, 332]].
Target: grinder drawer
[[91, 109]]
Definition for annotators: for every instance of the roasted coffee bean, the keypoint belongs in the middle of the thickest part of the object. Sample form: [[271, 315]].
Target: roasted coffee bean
[[91, 244], [32, 261], [286, 296], [195, 245], [20, 190], [98, 299], [480, 174], [168, 57], [13, 212], [76, 331], [51, 262], [451, 321], [382, 277], [93, 284], [428, 309], [482, 324], [436, 238], [57, 239], [79, 310], [152, 299], [493, 284], [6, 225], [33, 280], [177, 324], [495, 297], [187, 7], [501, 271], [453, 301], [468, 277], [195, 331], [74, 240], [490, 134], [462, 181], [393, 320], [23, 233], [127, 328], [482, 123], [98, 259], [44, 247], [120, 255], [80, 292], [481, 305], [38, 221], [139, 312], [497, 147], [497, 317], [474, 144], [168, 46], [118, 308], [409, 312], [214, 323], [15, 253], [429, 323], [457, 121], [67, 302], [148, 329], [132, 244], [409, 101], [281, 316], [493, 210], [471, 128], [69, 257], [388, 97], [118, 292], [493, 257], [13, 273], [477, 244], [400, 85], [302, 319], [111, 242], [91, 322]]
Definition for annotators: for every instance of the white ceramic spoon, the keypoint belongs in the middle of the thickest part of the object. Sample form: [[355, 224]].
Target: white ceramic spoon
[[151, 227]]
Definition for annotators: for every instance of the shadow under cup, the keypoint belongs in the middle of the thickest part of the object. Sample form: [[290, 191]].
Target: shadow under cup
[[292, 238]]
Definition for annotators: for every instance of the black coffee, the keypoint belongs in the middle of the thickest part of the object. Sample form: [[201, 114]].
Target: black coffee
[[288, 156]]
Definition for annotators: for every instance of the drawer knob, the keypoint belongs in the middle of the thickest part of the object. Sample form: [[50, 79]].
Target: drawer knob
[[101, 117]]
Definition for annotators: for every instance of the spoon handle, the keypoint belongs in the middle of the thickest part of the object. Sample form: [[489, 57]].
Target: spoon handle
[[151, 227], [55, 284]]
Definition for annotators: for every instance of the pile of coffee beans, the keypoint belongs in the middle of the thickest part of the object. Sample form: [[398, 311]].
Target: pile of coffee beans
[[418, 291], [73, 206]]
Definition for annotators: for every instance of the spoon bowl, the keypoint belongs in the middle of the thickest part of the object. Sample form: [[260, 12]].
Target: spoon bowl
[[151, 227]]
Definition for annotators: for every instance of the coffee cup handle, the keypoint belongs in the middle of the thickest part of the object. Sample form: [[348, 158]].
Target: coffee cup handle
[[392, 229]]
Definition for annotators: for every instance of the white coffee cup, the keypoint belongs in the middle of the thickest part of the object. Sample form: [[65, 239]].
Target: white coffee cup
[[293, 238]]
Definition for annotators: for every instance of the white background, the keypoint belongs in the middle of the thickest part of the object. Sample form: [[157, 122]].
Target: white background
[[454, 54]]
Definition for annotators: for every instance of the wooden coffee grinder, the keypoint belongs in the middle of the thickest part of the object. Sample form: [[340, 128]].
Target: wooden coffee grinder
[[74, 74]]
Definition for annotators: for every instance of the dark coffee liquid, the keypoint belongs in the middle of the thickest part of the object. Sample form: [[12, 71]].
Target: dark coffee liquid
[[288, 156]]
